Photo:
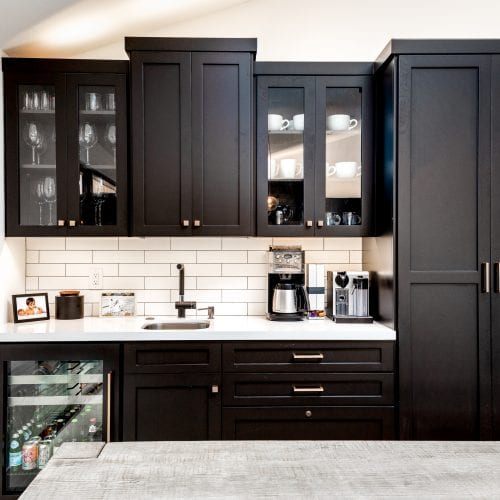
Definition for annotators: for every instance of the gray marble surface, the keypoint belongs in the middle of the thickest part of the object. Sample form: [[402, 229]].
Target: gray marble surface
[[270, 469]]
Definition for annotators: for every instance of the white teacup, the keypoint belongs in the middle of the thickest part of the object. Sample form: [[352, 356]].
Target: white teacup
[[344, 169], [341, 122], [290, 169], [298, 122], [276, 122]]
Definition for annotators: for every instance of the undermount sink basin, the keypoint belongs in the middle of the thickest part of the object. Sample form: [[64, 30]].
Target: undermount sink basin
[[177, 325]]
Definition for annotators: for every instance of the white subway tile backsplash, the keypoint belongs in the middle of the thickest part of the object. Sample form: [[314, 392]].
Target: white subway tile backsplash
[[45, 270], [188, 243], [53, 256], [32, 256], [120, 256], [92, 243], [246, 243], [45, 243], [227, 272], [219, 282], [212, 256], [169, 256], [244, 269]]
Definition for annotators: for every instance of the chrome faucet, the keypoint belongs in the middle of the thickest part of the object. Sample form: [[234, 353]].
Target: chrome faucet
[[181, 305]]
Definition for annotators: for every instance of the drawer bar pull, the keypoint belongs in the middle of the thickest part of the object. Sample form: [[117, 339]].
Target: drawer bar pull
[[319, 355], [318, 388]]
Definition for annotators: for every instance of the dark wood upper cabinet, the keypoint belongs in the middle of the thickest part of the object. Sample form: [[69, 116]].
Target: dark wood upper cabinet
[[191, 137], [314, 149], [65, 147]]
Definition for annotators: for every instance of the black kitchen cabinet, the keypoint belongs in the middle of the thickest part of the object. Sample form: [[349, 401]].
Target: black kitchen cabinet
[[314, 149], [438, 154], [191, 109], [65, 147], [171, 391], [59, 392]]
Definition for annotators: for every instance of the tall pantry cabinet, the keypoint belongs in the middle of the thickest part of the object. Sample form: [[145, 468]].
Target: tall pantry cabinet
[[439, 144]]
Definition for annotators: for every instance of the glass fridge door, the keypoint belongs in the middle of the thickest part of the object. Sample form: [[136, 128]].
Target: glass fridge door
[[49, 402]]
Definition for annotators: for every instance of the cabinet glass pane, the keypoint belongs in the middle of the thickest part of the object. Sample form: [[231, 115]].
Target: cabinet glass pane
[[49, 402], [343, 156], [285, 203], [37, 155], [97, 140]]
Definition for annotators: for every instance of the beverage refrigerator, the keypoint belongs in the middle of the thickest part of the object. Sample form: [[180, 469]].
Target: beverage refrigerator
[[53, 393]]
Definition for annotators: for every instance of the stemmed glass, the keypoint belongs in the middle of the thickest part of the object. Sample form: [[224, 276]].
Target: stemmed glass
[[87, 137], [99, 193], [49, 192], [110, 137], [34, 138], [40, 197]]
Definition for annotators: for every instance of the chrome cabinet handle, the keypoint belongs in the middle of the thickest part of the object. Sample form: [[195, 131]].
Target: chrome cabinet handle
[[72, 223], [309, 223], [215, 389], [320, 223], [185, 223], [485, 277], [318, 388], [496, 271], [108, 407], [196, 223], [319, 355], [61, 222], [308, 413]]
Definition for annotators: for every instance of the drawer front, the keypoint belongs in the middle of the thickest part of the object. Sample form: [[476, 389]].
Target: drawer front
[[308, 423], [329, 389], [309, 357], [171, 357]]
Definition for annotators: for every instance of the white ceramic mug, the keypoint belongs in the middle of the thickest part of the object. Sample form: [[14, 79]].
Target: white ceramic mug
[[290, 169], [276, 122], [298, 122], [341, 122], [344, 169]]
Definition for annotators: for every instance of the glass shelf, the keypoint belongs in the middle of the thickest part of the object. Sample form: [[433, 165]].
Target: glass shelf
[[285, 132], [38, 166], [97, 113], [37, 111], [53, 400]]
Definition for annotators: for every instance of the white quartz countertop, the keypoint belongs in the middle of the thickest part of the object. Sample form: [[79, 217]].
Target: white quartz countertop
[[92, 329]]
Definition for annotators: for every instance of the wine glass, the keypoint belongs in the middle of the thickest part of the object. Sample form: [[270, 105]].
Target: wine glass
[[49, 192], [99, 193], [87, 137], [41, 148], [33, 137], [110, 138], [40, 198]]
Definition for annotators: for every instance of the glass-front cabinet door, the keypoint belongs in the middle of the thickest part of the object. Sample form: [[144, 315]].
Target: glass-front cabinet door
[[285, 132], [343, 156], [65, 148], [50, 400]]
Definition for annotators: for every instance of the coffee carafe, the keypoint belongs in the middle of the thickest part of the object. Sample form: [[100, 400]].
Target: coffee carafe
[[289, 298]]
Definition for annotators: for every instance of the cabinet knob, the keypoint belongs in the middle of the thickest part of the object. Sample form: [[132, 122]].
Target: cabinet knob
[[308, 413], [320, 223], [215, 389], [61, 222], [72, 223], [196, 223], [309, 223], [185, 223]]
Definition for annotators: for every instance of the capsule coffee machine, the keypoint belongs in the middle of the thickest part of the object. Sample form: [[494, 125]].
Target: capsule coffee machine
[[286, 294]]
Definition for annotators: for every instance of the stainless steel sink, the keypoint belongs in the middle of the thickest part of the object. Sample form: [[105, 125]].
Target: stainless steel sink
[[177, 325]]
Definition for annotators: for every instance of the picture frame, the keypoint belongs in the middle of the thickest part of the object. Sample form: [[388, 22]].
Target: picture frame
[[117, 304], [28, 307]]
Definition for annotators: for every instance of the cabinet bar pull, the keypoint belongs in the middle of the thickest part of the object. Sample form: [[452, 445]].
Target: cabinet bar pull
[[319, 355], [496, 269], [318, 388], [485, 277], [108, 407]]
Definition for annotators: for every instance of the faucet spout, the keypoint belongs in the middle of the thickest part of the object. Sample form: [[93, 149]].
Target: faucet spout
[[180, 267], [181, 305]]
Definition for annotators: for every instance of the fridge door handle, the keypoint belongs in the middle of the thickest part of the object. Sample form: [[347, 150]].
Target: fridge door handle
[[485, 277], [108, 407]]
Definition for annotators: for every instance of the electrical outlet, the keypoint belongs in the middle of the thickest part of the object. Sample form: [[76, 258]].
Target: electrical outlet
[[95, 278]]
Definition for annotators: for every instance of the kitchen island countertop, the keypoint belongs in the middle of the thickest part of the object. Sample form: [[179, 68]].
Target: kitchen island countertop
[[222, 328]]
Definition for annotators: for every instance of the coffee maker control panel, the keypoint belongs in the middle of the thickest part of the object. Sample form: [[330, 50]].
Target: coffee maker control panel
[[287, 261]]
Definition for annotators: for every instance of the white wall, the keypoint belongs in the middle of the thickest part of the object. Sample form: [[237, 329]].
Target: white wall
[[12, 250], [334, 30]]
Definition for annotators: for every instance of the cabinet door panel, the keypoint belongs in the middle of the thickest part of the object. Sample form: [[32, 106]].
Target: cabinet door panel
[[171, 407], [222, 143], [443, 236], [308, 423], [161, 133]]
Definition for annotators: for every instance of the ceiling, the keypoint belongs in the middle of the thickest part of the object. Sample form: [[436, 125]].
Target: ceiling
[[63, 28]]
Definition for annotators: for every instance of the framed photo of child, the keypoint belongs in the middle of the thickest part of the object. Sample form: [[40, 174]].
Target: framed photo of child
[[32, 307]]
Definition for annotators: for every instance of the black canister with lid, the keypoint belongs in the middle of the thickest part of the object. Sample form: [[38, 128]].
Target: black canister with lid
[[69, 305]]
